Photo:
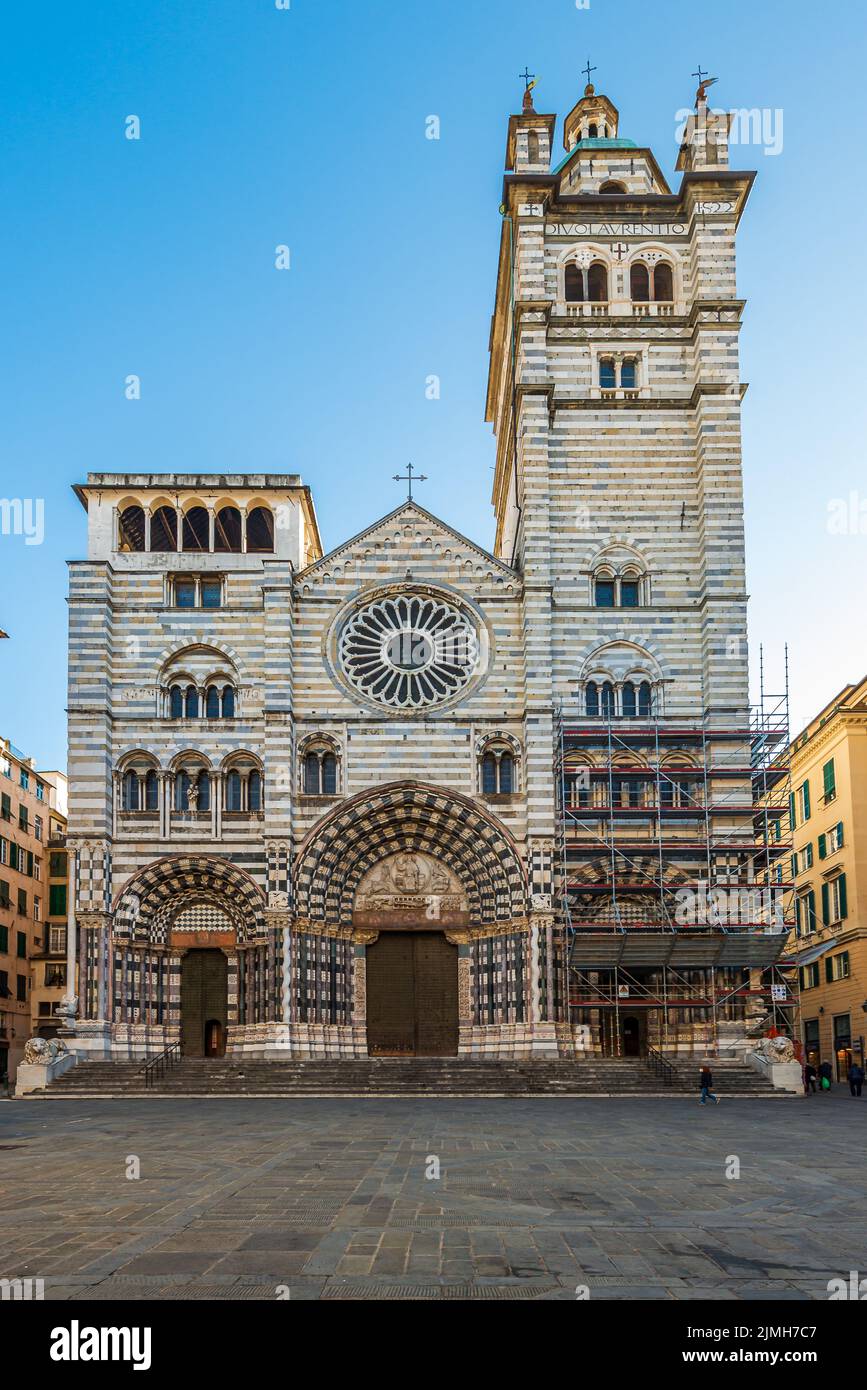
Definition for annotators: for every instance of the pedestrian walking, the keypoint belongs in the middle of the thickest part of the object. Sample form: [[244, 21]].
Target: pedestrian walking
[[825, 1076], [809, 1079], [856, 1078], [705, 1081]]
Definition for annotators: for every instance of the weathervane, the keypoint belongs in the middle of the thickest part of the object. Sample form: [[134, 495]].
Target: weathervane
[[407, 477], [703, 83]]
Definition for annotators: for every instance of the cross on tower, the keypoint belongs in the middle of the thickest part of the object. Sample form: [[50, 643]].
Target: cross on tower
[[587, 71], [527, 76], [700, 74], [407, 477]]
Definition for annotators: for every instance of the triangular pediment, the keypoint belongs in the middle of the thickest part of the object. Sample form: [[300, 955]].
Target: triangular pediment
[[428, 535]]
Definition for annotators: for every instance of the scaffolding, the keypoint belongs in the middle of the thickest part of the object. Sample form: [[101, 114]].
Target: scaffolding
[[672, 847]]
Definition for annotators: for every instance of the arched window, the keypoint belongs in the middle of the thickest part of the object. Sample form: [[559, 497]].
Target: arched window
[[164, 529], [607, 374], [533, 147], [191, 703], [628, 374], [604, 592], [644, 699], [212, 703], [573, 284], [663, 283], [639, 281], [129, 791], [233, 791], [227, 530], [176, 702], [329, 775], [203, 787], [597, 283], [591, 698], [182, 791], [228, 702], [260, 531], [628, 700], [319, 771], [195, 531], [608, 709], [254, 791], [630, 590], [151, 791], [311, 775], [132, 529], [612, 186], [497, 770], [592, 132]]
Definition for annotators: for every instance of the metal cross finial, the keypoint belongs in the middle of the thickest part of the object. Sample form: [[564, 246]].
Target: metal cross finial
[[407, 477], [587, 71], [700, 74], [527, 75]]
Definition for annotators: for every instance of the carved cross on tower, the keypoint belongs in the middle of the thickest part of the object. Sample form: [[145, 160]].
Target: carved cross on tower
[[407, 477]]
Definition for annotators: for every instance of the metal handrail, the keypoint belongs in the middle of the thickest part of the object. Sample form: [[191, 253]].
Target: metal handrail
[[660, 1065], [157, 1066]]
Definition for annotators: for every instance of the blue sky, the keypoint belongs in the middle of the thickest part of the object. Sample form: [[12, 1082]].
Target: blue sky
[[306, 126]]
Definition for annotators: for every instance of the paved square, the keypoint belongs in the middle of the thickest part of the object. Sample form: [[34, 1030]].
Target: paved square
[[332, 1198]]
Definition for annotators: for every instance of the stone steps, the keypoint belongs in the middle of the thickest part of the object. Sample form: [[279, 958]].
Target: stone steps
[[397, 1077]]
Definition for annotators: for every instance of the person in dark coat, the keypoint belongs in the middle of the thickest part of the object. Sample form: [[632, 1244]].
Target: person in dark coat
[[825, 1074], [856, 1078], [809, 1079], [705, 1081]]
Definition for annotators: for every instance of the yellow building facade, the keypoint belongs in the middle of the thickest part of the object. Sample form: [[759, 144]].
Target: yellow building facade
[[828, 813]]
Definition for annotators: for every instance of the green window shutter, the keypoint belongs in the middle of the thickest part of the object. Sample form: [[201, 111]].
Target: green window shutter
[[822, 850], [840, 832], [4, 940], [30, 863], [828, 780], [829, 971], [792, 810], [811, 911], [826, 905], [843, 903], [794, 863], [801, 976], [798, 925], [806, 800]]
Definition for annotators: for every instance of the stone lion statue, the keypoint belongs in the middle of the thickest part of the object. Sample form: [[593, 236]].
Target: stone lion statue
[[776, 1049], [44, 1049]]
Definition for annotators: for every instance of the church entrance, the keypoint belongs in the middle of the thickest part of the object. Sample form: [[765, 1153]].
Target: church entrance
[[412, 995], [204, 1003]]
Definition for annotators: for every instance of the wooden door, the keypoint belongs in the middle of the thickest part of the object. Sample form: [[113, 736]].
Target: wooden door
[[204, 1002], [412, 995]]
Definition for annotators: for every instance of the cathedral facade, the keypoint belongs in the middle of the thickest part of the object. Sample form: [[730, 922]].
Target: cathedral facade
[[367, 802]]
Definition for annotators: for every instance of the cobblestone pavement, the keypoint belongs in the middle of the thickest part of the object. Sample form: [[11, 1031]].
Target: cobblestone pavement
[[332, 1198]]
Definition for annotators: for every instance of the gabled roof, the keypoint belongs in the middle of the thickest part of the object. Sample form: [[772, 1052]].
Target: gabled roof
[[408, 509]]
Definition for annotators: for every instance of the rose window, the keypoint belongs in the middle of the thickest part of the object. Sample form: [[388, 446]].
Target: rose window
[[409, 652]]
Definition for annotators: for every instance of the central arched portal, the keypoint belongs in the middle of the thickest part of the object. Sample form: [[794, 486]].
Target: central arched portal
[[412, 995]]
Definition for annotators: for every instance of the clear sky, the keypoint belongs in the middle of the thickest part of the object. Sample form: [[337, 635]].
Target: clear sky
[[306, 126]]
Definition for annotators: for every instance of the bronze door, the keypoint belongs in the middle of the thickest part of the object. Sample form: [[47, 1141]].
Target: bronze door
[[412, 995], [204, 1003]]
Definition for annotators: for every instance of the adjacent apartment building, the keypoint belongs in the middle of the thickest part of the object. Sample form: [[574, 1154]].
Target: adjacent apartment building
[[828, 812], [32, 830]]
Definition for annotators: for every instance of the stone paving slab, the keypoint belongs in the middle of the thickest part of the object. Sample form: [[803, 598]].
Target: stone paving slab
[[433, 1199]]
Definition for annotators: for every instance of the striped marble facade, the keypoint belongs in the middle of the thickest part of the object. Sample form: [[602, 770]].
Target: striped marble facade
[[649, 478]]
